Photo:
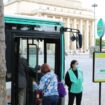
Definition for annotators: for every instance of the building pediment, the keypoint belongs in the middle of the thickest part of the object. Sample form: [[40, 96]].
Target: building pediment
[[60, 3]]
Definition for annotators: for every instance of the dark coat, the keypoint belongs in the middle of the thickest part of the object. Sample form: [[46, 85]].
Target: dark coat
[[22, 81]]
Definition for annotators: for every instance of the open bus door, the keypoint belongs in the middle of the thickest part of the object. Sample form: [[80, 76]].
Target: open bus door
[[28, 47], [32, 59], [31, 55]]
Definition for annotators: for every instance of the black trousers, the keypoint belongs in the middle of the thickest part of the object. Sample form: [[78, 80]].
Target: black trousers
[[78, 97]]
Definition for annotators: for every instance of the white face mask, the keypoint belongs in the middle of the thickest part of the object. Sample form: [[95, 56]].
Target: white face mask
[[76, 66]]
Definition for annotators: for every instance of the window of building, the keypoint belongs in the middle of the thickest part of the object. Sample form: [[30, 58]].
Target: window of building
[[61, 10], [77, 25], [57, 17], [71, 23], [49, 16], [48, 8], [54, 9], [64, 20]]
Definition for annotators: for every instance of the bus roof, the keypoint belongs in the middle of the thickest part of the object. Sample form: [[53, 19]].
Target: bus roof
[[31, 20]]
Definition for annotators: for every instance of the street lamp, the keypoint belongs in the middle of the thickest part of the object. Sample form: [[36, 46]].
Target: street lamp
[[94, 6]]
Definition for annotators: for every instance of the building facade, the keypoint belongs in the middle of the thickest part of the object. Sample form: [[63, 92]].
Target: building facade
[[71, 12]]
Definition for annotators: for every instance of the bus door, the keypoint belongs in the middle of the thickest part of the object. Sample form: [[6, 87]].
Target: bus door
[[36, 51], [32, 59], [26, 49]]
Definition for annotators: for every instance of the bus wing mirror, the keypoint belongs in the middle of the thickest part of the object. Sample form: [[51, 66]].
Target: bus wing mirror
[[78, 36], [73, 38], [79, 40]]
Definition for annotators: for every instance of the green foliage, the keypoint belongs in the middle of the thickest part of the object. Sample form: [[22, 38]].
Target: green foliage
[[98, 42]]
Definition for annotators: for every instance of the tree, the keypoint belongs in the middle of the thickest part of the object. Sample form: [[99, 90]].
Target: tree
[[98, 42], [2, 57]]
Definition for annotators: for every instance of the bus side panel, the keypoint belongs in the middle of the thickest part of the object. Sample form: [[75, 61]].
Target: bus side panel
[[62, 58]]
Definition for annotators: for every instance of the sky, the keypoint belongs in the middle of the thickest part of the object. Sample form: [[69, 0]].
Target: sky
[[99, 10]]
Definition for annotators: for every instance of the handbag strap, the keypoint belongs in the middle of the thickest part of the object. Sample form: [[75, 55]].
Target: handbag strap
[[47, 85]]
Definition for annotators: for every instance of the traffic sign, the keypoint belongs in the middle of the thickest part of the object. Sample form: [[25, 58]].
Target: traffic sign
[[100, 28]]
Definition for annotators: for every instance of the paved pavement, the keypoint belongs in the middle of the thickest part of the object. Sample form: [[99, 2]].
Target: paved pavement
[[91, 90]]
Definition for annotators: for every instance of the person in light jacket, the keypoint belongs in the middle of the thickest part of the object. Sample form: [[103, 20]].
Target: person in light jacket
[[74, 81]]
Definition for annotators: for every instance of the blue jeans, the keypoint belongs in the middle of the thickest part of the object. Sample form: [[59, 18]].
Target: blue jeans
[[50, 100]]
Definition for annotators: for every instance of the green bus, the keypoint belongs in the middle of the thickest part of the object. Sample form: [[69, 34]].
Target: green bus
[[39, 41]]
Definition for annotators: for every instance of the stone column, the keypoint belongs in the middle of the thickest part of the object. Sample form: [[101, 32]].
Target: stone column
[[92, 38], [45, 16], [2, 58], [53, 17], [67, 37], [86, 37], [61, 18], [74, 42], [81, 26], [81, 31]]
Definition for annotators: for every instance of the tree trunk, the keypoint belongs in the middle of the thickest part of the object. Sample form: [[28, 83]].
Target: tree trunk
[[2, 57]]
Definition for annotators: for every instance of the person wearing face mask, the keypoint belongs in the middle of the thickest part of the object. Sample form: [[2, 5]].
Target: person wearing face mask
[[74, 81]]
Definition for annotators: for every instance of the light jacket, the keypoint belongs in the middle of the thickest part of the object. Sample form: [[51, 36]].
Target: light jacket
[[77, 83]]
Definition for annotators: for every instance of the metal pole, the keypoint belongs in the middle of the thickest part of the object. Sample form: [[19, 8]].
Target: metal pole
[[94, 28], [100, 93], [94, 6], [101, 44], [100, 82]]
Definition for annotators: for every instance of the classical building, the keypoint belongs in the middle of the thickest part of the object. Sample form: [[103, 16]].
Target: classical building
[[71, 12]]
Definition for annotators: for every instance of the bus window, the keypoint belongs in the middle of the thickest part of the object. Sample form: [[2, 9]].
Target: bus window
[[41, 52], [8, 91], [33, 56], [23, 48], [51, 55]]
